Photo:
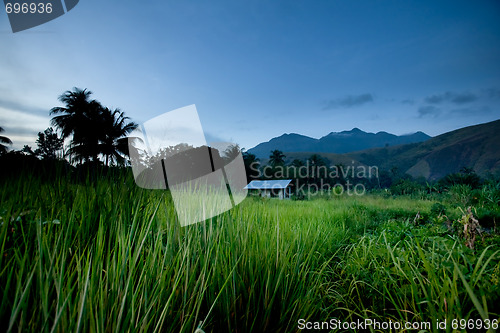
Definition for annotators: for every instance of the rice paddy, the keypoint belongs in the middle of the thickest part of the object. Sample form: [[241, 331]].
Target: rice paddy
[[105, 255]]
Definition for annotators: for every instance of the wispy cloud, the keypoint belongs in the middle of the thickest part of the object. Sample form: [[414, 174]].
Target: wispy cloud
[[22, 122], [492, 93], [472, 111], [348, 101], [428, 111], [17, 106], [452, 97], [462, 104]]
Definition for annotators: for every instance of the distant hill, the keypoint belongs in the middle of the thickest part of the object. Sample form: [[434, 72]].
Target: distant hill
[[476, 146], [335, 142]]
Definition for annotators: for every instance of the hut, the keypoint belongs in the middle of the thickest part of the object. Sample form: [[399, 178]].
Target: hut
[[271, 188]]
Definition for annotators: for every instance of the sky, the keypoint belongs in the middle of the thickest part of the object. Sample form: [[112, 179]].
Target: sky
[[257, 69]]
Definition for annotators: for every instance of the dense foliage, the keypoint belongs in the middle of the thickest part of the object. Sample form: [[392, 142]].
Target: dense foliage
[[96, 252]]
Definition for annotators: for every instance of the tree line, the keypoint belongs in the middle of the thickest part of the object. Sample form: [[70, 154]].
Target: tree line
[[395, 180], [96, 133]]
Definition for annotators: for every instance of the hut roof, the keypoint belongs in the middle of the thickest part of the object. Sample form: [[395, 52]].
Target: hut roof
[[268, 184]]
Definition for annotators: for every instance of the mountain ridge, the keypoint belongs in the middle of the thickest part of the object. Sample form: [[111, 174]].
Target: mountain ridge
[[335, 142]]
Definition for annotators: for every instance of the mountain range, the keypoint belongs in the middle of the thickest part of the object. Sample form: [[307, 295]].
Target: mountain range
[[419, 155], [334, 142]]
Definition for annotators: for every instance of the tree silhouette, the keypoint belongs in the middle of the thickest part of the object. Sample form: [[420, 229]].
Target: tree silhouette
[[251, 165], [114, 128], [95, 130], [3, 142], [276, 158], [317, 160], [297, 163], [317, 168], [77, 118], [48, 144], [231, 152]]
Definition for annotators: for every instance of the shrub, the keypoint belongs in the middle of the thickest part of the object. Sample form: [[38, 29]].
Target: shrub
[[489, 195], [487, 217], [406, 187], [466, 176], [438, 209], [461, 194]]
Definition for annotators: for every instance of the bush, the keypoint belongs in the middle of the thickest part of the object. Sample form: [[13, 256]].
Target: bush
[[406, 187], [461, 194], [467, 176], [488, 218], [438, 209], [489, 195]]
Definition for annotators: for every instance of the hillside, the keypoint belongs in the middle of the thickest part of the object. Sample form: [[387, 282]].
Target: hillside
[[476, 146]]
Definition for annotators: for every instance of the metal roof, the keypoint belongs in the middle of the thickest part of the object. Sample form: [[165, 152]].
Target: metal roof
[[268, 184]]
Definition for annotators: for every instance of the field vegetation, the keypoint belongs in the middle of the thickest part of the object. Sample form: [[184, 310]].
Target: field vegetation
[[88, 250]]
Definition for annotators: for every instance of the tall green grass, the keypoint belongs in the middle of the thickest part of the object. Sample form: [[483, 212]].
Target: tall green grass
[[107, 256]]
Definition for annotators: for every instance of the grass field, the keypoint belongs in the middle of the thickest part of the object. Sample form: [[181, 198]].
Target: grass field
[[107, 256]]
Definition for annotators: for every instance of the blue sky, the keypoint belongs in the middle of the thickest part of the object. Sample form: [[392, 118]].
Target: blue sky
[[258, 69]]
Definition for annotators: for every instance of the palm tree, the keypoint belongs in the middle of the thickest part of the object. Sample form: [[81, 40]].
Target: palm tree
[[297, 163], [231, 152], [276, 158], [251, 165], [3, 142], [114, 129], [317, 167], [77, 103], [78, 118]]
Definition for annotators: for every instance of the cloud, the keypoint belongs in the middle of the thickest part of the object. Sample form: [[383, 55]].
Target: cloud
[[22, 122], [492, 93], [463, 98], [452, 97], [348, 101], [16, 106], [408, 101], [485, 110], [428, 111], [434, 99]]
